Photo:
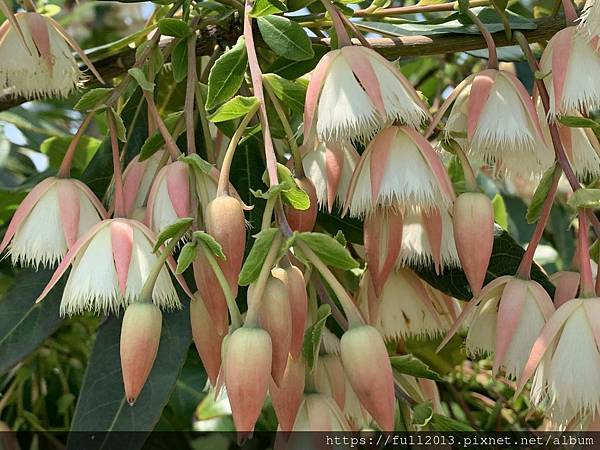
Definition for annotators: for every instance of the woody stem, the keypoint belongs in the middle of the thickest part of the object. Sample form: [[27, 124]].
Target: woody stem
[[65, 167]]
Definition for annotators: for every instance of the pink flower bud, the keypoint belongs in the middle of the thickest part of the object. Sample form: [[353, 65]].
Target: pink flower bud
[[170, 198], [247, 365], [303, 220], [368, 369], [212, 293], [225, 222], [473, 221], [140, 336], [293, 278], [567, 286], [137, 182], [287, 397], [206, 338], [276, 318]]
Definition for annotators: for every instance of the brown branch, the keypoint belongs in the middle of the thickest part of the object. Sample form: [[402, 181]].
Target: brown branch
[[390, 47]]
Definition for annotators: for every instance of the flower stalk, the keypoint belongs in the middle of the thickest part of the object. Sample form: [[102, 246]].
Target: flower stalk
[[65, 167]]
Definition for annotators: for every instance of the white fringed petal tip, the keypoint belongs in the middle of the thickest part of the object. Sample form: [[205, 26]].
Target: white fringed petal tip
[[110, 264], [567, 362], [330, 168], [399, 169], [48, 222], [589, 24], [354, 92], [570, 87], [46, 67], [515, 144]]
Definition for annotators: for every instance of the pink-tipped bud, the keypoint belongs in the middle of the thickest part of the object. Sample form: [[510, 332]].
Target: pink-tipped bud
[[368, 369], [473, 221], [210, 290], [287, 397], [303, 220], [276, 318], [567, 286], [247, 373], [225, 222], [206, 338], [140, 336], [293, 278]]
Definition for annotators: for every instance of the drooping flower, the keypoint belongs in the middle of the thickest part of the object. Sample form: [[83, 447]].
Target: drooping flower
[[110, 264], [330, 168], [580, 144], [170, 198], [570, 87], [493, 118], [353, 93], [590, 21], [427, 236], [319, 412], [566, 362], [48, 222], [207, 337], [406, 308], [330, 378], [36, 58], [505, 320], [399, 169], [567, 286], [287, 396]]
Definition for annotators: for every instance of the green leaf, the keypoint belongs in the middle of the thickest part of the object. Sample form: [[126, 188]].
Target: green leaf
[[500, 214], [93, 99], [56, 147], [285, 38], [25, 324], [156, 141], [506, 257], [211, 243], [238, 106], [291, 93], [119, 125], [292, 194], [173, 27], [453, 23], [139, 76], [227, 75], [412, 365], [102, 405], [422, 414], [266, 7], [535, 207], [329, 250], [179, 59], [443, 423], [578, 122], [172, 230], [585, 198], [197, 162], [312, 337], [257, 255], [186, 256]]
